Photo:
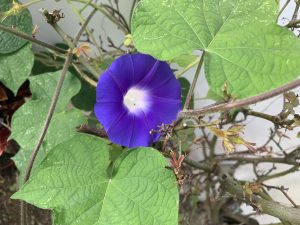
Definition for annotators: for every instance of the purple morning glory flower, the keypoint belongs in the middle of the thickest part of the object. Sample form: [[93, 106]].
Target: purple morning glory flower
[[136, 95]]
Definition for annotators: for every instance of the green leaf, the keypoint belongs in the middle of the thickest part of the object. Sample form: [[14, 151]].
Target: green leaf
[[86, 97], [39, 68], [28, 121], [214, 96], [21, 160], [15, 68], [185, 87], [74, 183], [105, 63], [21, 22], [184, 60], [183, 139], [244, 46]]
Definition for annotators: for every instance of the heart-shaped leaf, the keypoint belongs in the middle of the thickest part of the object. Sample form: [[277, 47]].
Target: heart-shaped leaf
[[74, 181], [22, 22], [243, 45], [16, 67], [28, 121]]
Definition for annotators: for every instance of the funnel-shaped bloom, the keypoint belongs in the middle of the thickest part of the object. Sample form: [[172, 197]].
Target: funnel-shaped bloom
[[135, 95]]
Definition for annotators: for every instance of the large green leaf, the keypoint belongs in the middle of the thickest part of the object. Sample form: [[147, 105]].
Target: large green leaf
[[74, 181], [22, 22], [244, 46], [28, 121], [16, 67]]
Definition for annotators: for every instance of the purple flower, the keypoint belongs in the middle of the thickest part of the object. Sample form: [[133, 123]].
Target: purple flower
[[136, 95]]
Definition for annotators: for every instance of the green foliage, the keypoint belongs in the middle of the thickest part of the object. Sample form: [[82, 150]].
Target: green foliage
[[185, 87], [244, 46], [86, 97], [184, 60], [28, 121], [74, 182], [22, 22], [184, 138], [214, 96], [15, 67]]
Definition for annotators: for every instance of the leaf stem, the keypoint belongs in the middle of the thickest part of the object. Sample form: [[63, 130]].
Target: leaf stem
[[85, 77], [178, 75], [192, 88], [131, 10]]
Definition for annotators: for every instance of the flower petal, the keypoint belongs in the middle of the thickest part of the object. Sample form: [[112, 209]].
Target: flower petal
[[131, 131], [167, 113], [109, 112], [142, 64], [170, 89], [121, 71], [121, 131], [159, 74], [108, 90]]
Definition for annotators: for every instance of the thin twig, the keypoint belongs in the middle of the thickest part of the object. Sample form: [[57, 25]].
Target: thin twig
[[191, 65], [31, 39], [282, 9], [49, 115], [131, 10], [201, 166], [104, 11], [295, 14], [280, 174], [283, 191], [119, 17], [72, 44], [88, 31], [274, 119], [5, 125], [85, 77]]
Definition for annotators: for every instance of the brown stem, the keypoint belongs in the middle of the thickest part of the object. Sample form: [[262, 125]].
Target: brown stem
[[31, 39], [272, 208], [282, 9], [54, 101], [283, 191], [201, 166], [239, 103], [280, 174]]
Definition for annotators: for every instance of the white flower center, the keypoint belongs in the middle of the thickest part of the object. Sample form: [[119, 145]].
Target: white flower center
[[136, 100]]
